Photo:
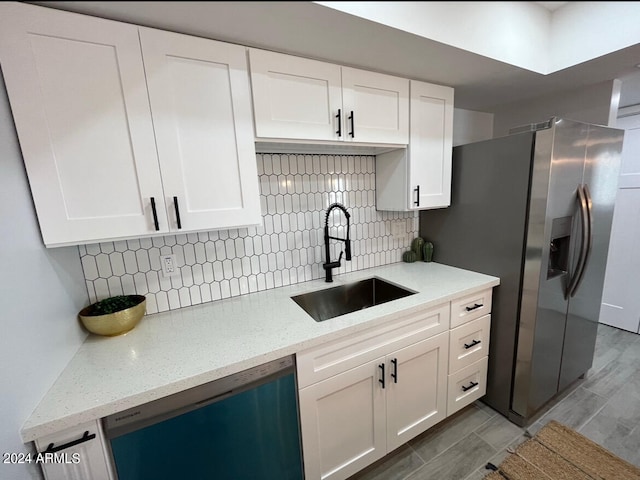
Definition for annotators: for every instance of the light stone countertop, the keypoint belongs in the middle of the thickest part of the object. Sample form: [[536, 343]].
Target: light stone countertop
[[172, 351]]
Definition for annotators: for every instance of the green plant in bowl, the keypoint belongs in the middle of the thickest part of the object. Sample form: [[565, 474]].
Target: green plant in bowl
[[113, 304], [114, 315]]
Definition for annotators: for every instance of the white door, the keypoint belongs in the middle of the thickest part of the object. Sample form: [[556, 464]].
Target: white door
[[430, 146], [78, 95], [417, 389], [343, 423], [295, 98], [201, 106], [376, 107], [620, 299]]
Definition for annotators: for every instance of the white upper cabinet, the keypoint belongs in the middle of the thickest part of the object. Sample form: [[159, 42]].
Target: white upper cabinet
[[295, 97], [376, 107], [201, 106], [120, 146], [419, 177], [79, 100], [301, 99]]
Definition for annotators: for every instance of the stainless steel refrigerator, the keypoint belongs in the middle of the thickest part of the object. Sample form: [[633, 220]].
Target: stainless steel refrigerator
[[535, 209]]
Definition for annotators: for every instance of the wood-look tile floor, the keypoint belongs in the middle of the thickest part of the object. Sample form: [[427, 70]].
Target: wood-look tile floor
[[604, 406]]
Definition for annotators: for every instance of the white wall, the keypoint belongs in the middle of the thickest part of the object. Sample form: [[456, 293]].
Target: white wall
[[470, 126], [594, 104], [41, 292]]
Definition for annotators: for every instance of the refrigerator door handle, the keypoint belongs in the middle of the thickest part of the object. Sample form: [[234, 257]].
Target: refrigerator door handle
[[584, 243], [588, 228]]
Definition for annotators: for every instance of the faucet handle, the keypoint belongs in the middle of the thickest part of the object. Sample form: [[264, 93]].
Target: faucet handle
[[335, 264]]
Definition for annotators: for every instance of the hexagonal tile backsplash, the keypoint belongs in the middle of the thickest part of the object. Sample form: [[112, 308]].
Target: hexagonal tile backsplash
[[295, 191]]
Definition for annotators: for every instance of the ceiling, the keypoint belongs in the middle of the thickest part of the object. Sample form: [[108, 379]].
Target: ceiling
[[315, 31], [552, 6]]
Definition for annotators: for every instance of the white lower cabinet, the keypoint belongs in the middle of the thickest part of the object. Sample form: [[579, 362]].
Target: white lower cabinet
[[386, 385], [364, 395], [417, 389], [352, 419], [468, 350], [343, 423], [78, 453]]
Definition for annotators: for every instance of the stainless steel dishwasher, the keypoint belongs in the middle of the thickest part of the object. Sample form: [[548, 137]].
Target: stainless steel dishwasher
[[244, 426]]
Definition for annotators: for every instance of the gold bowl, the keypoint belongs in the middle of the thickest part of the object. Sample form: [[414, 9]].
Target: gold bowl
[[116, 323]]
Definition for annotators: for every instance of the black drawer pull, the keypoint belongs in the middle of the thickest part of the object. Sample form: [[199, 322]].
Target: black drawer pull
[[394, 375], [155, 214], [381, 367], [339, 117], [472, 344], [475, 305], [473, 384], [175, 204], [85, 438], [417, 190], [353, 128]]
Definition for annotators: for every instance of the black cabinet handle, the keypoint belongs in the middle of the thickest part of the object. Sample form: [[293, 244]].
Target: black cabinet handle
[[339, 117], [85, 438], [476, 305], [417, 201], [175, 204], [473, 384], [472, 344], [353, 128], [155, 214], [381, 367], [394, 375]]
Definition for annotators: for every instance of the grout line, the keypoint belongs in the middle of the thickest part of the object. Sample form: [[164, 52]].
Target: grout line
[[607, 400]]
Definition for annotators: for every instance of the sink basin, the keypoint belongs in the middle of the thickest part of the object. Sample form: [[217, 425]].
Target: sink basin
[[333, 302]]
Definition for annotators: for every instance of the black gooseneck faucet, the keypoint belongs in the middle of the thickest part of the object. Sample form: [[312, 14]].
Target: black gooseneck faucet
[[329, 265]]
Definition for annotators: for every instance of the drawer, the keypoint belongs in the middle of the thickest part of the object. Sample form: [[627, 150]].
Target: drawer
[[469, 342], [467, 385], [402, 330], [470, 307]]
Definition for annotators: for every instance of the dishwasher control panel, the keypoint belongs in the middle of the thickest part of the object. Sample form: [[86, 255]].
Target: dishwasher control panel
[[196, 397]]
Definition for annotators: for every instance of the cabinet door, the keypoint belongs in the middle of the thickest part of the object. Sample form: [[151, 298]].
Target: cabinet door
[[417, 389], [83, 460], [77, 90], [430, 146], [376, 107], [343, 423], [295, 97], [201, 105]]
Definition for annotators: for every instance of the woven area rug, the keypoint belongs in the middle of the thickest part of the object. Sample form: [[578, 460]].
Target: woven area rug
[[558, 452]]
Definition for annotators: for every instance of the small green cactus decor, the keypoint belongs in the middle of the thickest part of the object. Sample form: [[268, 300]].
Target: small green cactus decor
[[427, 252], [416, 246], [409, 256]]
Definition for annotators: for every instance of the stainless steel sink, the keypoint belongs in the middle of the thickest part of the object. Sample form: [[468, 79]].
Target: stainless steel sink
[[333, 302]]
